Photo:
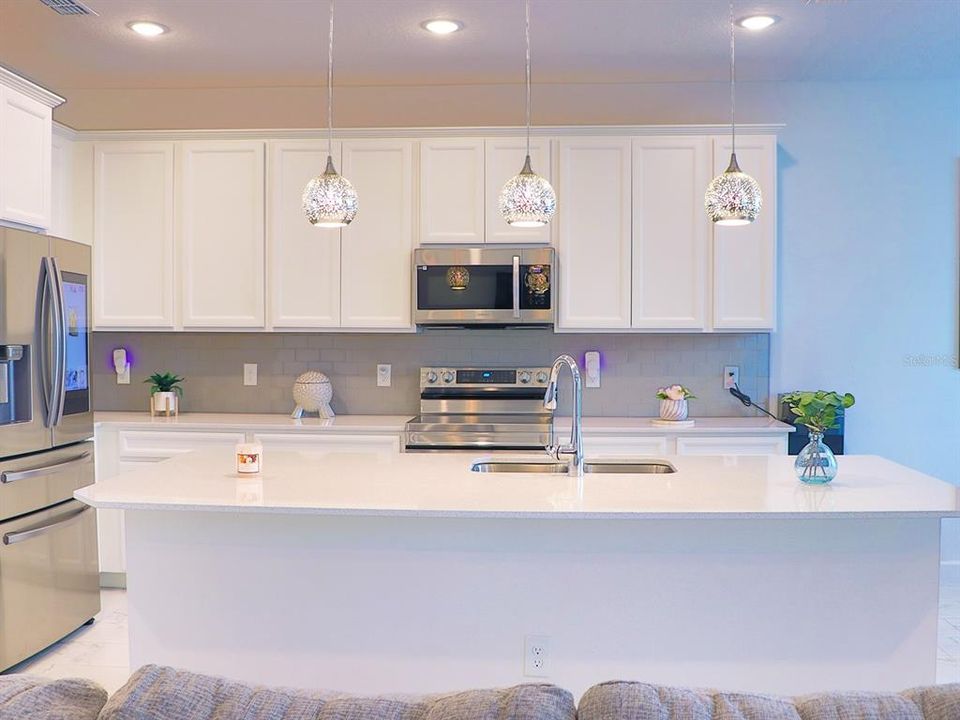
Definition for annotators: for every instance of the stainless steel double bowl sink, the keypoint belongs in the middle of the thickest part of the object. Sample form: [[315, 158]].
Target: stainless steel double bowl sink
[[549, 467]]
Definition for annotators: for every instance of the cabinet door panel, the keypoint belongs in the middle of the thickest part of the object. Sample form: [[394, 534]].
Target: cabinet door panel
[[451, 191], [744, 258], [625, 446], [329, 442], [670, 231], [377, 247], [304, 261], [26, 132], [220, 209], [504, 159], [733, 444], [133, 249], [594, 233]]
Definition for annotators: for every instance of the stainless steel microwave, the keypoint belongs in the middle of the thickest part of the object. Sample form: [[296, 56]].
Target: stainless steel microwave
[[485, 286]]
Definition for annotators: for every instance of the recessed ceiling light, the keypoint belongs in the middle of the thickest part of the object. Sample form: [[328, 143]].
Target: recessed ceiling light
[[757, 22], [147, 28], [442, 27]]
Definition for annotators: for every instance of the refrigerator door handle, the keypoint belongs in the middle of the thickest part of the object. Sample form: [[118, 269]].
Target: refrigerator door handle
[[13, 538], [9, 477], [44, 341], [60, 344]]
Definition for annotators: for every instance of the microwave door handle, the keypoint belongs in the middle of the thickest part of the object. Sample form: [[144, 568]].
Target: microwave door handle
[[15, 537], [9, 477], [60, 336], [516, 286]]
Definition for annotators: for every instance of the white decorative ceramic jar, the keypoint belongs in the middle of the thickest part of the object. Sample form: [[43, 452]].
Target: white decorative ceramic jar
[[312, 392], [673, 409]]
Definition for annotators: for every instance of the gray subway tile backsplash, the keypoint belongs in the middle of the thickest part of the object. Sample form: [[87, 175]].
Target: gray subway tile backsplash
[[633, 367]]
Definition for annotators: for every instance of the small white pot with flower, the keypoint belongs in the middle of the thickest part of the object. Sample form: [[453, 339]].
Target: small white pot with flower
[[673, 402]]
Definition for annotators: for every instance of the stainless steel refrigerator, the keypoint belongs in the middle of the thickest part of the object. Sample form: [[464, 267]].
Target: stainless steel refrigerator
[[49, 580]]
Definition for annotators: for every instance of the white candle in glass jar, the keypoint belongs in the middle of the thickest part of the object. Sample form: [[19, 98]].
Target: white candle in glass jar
[[249, 458]]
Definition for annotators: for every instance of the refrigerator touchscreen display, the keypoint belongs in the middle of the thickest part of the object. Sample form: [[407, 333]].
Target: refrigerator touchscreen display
[[77, 378]]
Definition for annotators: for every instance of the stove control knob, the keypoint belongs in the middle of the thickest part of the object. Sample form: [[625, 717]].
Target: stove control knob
[[447, 376], [524, 377], [431, 377], [542, 377]]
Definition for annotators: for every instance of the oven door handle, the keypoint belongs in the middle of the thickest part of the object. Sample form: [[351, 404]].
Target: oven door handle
[[516, 286], [9, 477], [12, 538]]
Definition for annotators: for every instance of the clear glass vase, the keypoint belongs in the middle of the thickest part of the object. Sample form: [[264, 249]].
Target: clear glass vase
[[816, 463]]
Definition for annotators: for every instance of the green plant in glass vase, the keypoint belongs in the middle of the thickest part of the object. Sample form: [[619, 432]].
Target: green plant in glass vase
[[818, 411]]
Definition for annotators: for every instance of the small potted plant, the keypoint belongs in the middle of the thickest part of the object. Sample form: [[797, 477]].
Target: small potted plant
[[673, 402], [818, 411], [165, 393]]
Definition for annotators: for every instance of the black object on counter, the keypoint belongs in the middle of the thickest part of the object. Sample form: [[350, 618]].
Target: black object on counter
[[832, 438]]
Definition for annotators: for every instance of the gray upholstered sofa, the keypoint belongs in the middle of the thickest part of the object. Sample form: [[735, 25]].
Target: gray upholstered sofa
[[159, 693]]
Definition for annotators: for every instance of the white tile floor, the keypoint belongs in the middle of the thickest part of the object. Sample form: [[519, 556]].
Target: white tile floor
[[100, 651]]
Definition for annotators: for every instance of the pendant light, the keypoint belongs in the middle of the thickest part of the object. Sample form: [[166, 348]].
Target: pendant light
[[329, 200], [733, 197], [527, 200]]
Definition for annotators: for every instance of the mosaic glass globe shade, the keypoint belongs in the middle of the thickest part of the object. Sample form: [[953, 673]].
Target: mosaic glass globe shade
[[527, 200], [329, 200], [733, 198]]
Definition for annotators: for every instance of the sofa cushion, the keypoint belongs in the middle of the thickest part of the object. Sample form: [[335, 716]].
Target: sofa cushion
[[25, 696], [161, 693], [640, 701], [859, 706], [939, 702]]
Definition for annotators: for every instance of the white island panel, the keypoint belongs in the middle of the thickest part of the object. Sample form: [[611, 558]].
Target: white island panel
[[375, 605]]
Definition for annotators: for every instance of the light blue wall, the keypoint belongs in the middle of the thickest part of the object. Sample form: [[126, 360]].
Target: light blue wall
[[868, 201]]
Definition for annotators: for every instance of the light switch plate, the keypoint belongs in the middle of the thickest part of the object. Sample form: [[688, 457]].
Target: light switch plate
[[384, 375], [249, 373]]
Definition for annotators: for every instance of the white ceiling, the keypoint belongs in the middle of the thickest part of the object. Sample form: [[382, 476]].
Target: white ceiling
[[281, 43]]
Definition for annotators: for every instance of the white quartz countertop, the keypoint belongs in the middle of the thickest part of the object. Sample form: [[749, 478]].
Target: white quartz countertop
[[442, 485], [395, 423]]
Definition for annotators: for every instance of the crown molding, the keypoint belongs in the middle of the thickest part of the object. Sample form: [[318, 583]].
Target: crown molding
[[19, 83], [410, 132]]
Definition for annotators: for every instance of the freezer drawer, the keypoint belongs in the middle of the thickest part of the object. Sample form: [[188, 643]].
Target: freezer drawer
[[43, 479], [49, 580]]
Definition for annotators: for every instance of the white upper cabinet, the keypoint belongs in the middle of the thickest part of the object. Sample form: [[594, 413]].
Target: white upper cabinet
[[670, 232], [452, 191], [593, 232], [744, 257], [133, 249], [26, 129], [377, 247], [504, 159], [303, 260], [220, 221]]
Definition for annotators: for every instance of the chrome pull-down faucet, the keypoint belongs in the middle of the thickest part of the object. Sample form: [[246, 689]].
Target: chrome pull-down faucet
[[573, 449]]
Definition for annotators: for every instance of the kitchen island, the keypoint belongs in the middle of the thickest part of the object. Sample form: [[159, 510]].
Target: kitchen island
[[377, 571]]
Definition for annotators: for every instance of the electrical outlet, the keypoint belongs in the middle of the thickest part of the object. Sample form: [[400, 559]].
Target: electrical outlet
[[123, 377], [731, 376], [384, 375], [536, 656], [249, 373], [591, 368]]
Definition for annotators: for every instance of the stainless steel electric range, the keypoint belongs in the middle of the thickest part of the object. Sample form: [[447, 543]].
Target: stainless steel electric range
[[480, 409]]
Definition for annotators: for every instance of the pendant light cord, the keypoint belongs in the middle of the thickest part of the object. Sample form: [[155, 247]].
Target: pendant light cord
[[330, 87], [527, 26], [733, 83]]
